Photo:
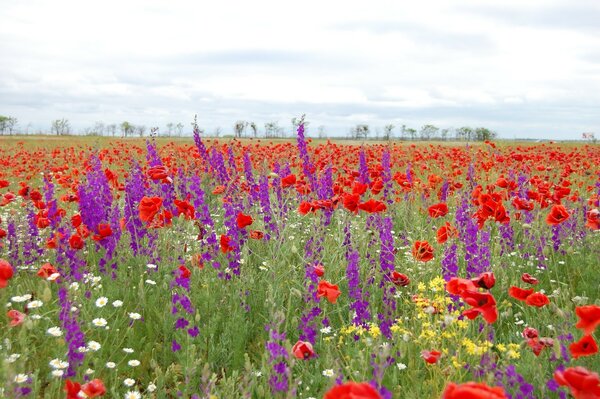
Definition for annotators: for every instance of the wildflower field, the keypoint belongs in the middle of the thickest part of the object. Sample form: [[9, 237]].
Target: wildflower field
[[298, 269]]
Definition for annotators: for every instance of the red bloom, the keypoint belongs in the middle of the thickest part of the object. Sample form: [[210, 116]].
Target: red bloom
[[557, 215], [303, 350], [149, 207], [351, 202], [583, 383], [530, 333], [593, 219], [431, 357], [93, 388], [352, 390], [319, 270], [186, 209], [46, 270], [400, 279], [519, 293], [104, 231], [529, 279], [76, 220], [224, 241], [446, 231], [288, 181], [244, 220], [359, 188], [16, 317], [589, 318], [256, 235], [422, 251], [372, 206], [482, 303], [328, 290], [72, 389], [305, 207], [76, 242], [537, 299], [184, 272], [586, 346], [457, 285], [485, 280], [160, 173], [473, 390], [6, 273], [438, 210]]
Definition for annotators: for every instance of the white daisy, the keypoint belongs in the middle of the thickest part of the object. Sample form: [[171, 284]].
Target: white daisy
[[99, 322], [21, 378], [54, 331], [129, 382], [133, 363], [101, 302], [133, 395], [117, 303], [111, 365]]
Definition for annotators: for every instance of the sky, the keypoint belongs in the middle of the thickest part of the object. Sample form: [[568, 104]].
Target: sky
[[527, 69]]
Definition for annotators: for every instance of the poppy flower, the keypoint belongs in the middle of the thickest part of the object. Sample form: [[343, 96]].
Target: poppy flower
[[149, 207], [184, 272], [76, 242], [76, 220], [186, 209], [537, 299], [288, 181], [243, 220], [519, 293], [72, 389], [537, 345], [305, 207], [399, 279], [46, 270], [256, 235], [16, 317], [438, 210], [593, 219], [589, 318], [6, 273], [529, 279], [104, 230], [224, 241], [372, 206], [586, 346], [482, 303], [431, 357], [457, 285], [328, 290], [422, 251], [530, 333], [352, 390], [303, 350], [473, 390], [446, 231], [485, 280], [582, 383], [557, 215], [351, 201], [319, 270], [93, 388], [159, 172]]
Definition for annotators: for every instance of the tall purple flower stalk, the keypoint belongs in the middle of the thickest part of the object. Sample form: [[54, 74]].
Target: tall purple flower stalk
[[278, 357], [360, 303], [386, 262], [134, 192], [73, 335], [307, 165]]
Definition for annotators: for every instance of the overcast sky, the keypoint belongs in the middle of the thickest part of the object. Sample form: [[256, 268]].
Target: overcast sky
[[523, 68]]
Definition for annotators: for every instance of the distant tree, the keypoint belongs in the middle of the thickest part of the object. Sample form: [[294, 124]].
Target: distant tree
[[61, 126], [445, 134], [3, 123], [412, 133], [428, 132], [179, 128], [360, 131], [272, 129], [154, 131], [483, 134], [126, 128], [321, 132], [254, 129], [387, 131], [239, 128], [170, 127], [98, 128], [8, 123], [111, 129], [140, 129], [217, 131]]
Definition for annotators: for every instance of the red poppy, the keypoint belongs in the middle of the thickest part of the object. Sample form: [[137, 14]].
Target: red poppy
[[186, 209], [446, 231], [352, 390], [422, 251], [529, 279], [351, 201], [149, 207], [485, 280], [519, 293], [400, 279], [589, 318], [593, 219], [288, 181], [438, 210], [586, 346], [243, 220], [319, 270], [582, 383], [104, 230], [303, 350], [76, 220], [431, 357], [46, 270], [6, 273], [16, 317], [482, 303], [93, 388], [72, 389], [372, 206], [328, 290], [76, 242], [457, 285], [359, 188], [530, 333], [184, 272], [224, 241], [537, 345], [256, 235], [159, 172], [537, 299], [305, 207], [473, 390], [557, 215]]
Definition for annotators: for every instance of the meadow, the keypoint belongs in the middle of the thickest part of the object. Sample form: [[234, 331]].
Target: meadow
[[204, 268]]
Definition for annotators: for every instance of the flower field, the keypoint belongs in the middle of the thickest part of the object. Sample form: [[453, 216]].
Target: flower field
[[298, 269]]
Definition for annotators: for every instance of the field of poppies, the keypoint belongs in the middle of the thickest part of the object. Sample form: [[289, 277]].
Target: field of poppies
[[298, 269]]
